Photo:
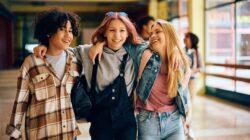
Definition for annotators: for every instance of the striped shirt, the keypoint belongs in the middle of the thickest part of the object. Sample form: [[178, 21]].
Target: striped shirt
[[44, 100]]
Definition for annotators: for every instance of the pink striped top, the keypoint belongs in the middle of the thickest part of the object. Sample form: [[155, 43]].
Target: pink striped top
[[158, 100]]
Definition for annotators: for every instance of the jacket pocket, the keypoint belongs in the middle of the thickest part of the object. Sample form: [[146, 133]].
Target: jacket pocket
[[71, 80], [44, 86]]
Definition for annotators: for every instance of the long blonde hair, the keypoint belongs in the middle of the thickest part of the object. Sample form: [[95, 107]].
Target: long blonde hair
[[172, 42]]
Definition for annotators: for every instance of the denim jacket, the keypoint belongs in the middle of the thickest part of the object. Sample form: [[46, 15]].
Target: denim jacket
[[149, 75]]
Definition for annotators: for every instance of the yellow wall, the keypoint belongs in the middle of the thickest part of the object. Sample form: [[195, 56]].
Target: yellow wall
[[157, 9], [196, 17], [152, 8]]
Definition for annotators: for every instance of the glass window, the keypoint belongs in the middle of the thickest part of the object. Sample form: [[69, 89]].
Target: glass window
[[181, 26], [183, 7], [220, 35], [243, 32], [173, 8], [220, 70], [243, 73], [243, 87], [183, 29], [221, 83], [175, 23], [228, 42], [213, 3]]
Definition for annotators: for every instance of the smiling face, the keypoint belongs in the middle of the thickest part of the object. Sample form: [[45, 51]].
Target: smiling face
[[62, 38], [116, 34], [157, 39]]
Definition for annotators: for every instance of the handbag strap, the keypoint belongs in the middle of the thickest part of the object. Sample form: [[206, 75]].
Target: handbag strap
[[93, 79]]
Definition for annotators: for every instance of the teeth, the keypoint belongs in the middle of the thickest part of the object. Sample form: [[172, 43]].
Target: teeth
[[116, 40], [154, 41], [66, 41]]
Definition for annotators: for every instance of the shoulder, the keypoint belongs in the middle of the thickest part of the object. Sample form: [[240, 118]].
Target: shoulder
[[32, 61], [71, 55], [84, 47]]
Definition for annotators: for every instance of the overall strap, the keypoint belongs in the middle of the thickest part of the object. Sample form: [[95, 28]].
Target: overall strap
[[123, 63]]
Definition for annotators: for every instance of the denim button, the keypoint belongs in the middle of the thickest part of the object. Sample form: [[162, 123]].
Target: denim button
[[113, 98], [155, 70], [113, 90], [121, 74]]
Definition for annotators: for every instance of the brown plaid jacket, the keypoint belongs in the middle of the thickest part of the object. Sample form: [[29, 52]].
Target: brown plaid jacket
[[44, 100]]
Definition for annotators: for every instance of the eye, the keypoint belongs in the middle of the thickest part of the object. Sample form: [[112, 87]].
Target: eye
[[122, 30], [112, 30], [61, 29], [158, 31]]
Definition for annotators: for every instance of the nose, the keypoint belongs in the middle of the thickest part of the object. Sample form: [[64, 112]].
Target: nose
[[152, 36], [68, 33], [117, 34]]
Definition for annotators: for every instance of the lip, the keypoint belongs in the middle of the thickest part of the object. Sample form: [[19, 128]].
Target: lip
[[153, 41], [116, 41], [66, 41]]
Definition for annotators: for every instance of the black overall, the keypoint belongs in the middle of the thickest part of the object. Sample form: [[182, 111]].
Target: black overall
[[112, 116]]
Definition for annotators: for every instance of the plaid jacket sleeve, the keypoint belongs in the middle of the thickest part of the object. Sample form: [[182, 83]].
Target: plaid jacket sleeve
[[21, 102]]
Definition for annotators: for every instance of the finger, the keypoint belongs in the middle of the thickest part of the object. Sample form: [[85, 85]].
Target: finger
[[43, 53], [90, 56], [179, 64], [93, 60], [178, 61], [39, 54], [99, 57]]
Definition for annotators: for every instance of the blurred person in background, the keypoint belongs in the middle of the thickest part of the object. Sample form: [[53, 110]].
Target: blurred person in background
[[144, 25], [196, 64]]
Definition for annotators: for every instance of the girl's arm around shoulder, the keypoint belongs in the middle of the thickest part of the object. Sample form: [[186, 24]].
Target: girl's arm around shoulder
[[135, 51], [80, 51]]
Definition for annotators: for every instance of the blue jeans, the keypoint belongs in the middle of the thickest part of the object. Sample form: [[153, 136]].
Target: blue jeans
[[160, 126]]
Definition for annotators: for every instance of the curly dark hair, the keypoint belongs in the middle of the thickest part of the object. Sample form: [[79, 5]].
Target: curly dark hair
[[48, 22]]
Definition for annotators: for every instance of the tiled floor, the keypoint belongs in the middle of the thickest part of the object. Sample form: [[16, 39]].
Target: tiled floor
[[213, 118], [216, 119]]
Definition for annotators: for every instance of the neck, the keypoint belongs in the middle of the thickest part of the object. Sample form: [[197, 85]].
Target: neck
[[54, 52], [114, 48], [163, 57], [163, 68]]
